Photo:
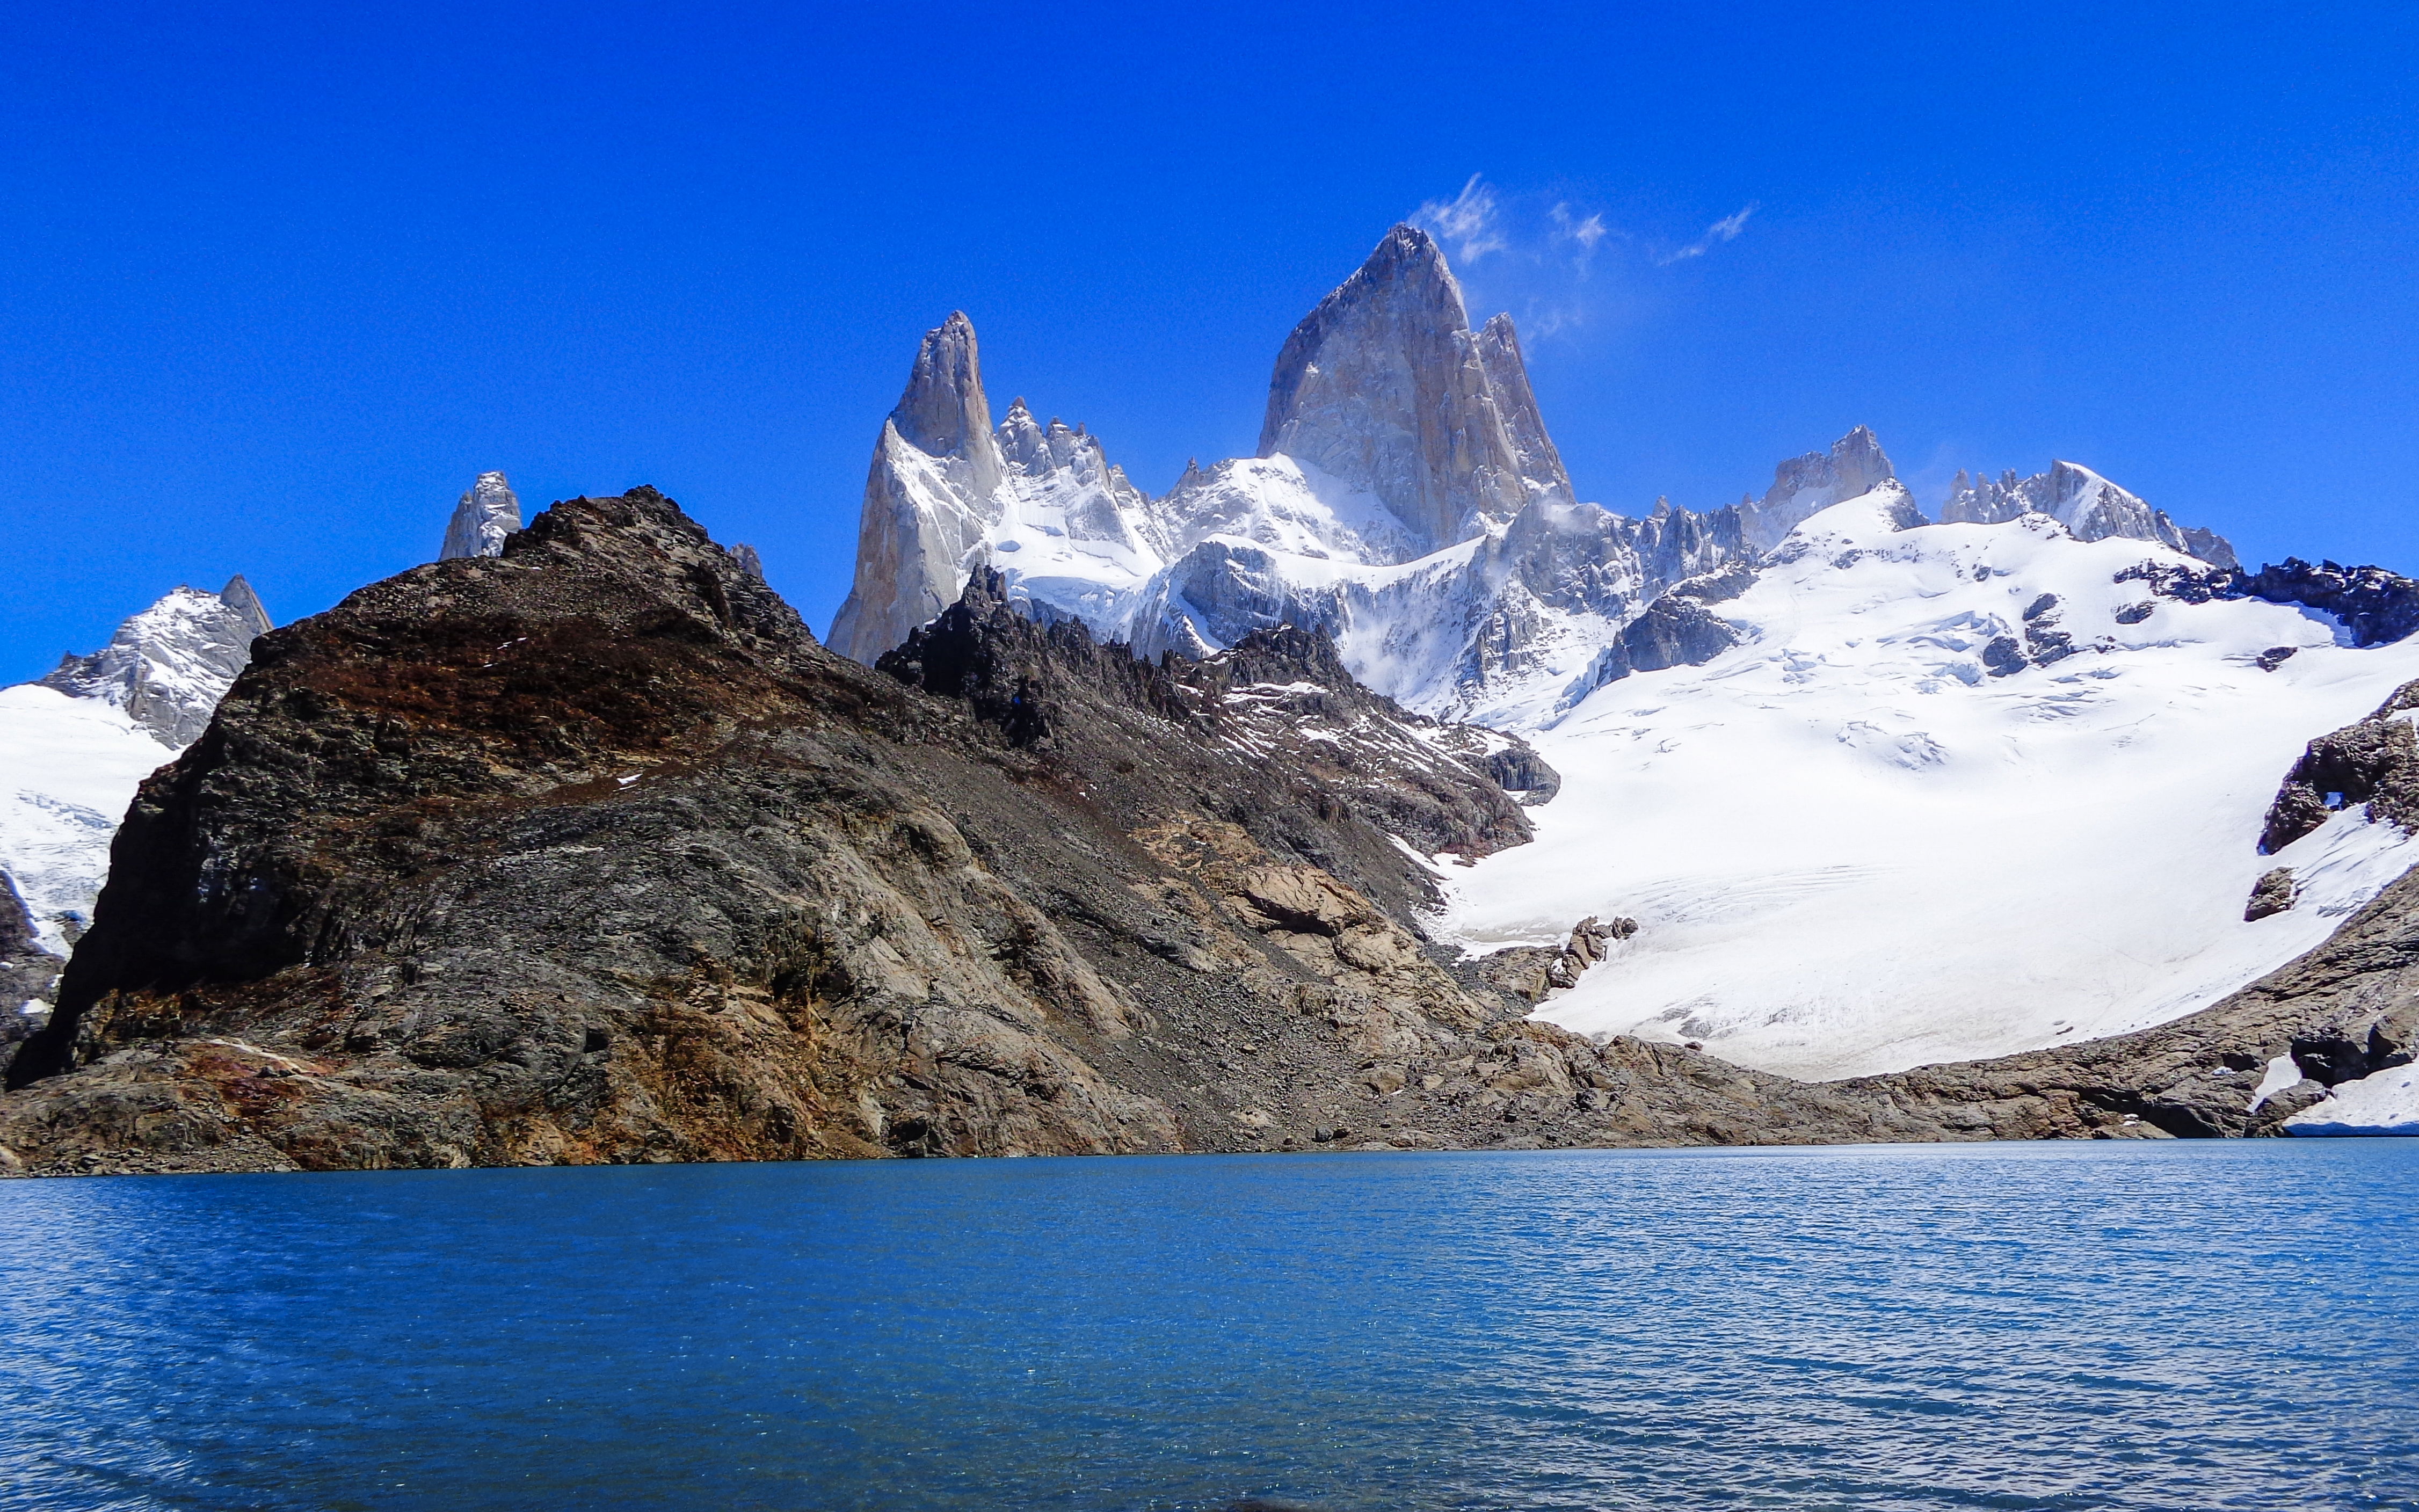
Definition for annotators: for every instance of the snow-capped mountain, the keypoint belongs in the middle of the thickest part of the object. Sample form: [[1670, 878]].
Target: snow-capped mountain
[[488, 512], [168, 666], [74, 744], [1406, 497], [1879, 791]]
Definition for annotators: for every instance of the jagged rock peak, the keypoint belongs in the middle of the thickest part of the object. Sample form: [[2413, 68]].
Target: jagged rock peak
[[488, 513], [1806, 485], [744, 557], [1507, 373], [2088, 504], [239, 596], [942, 411], [1385, 389], [168, 666]]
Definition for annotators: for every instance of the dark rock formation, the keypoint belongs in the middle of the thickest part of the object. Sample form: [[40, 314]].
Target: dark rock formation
[[2374, 606], [2272, 894], [1676, 630], [2375, 762], [28, 973]]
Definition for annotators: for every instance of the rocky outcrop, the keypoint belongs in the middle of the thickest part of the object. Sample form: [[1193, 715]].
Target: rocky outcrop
[[167, 666], [2374, 606], [2272, 894], [1385, 388], [2373, 761], [2089, 506], [488, 513], [1676, 630]]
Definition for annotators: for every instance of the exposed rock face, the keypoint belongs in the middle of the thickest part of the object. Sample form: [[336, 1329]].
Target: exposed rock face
[[1676, 630], [488, 513], [1805, 486], [168, 666], [1278, 702], [1507, 375], [1385, 388], [2375, 762], [2084, 502]]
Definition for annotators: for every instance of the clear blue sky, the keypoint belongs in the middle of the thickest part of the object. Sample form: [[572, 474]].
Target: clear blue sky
[[276, 283]]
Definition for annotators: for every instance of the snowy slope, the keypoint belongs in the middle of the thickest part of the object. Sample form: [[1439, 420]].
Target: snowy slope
[[69, 766], [1854, 849], [74, 746]]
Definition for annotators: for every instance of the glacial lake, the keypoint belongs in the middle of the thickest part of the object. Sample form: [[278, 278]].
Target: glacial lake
[[2137, 1326]]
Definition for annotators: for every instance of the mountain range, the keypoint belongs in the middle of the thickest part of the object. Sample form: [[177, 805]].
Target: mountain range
[[1373, 787]]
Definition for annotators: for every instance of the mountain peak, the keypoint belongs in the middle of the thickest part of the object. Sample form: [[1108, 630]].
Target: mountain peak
[[1385, 388], [942, 411], [168, 666], [2088, 504], [239, 596], [485, 514], [1804, 486]]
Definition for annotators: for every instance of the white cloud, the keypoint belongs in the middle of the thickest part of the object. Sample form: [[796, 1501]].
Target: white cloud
[[1725, 230], [1587, 233], [1468, 221]]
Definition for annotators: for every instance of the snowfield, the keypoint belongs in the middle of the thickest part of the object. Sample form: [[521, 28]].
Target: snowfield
[[1853, 849], [2381, 1103], [68, 767]]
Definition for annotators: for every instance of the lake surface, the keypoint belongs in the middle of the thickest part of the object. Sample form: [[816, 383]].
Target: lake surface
[[2131, 1326]]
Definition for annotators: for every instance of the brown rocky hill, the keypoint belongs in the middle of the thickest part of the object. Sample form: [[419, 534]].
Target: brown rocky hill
[[589, 853]]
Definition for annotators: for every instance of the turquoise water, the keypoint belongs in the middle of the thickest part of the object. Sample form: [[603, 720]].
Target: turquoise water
[[2045, 1326]]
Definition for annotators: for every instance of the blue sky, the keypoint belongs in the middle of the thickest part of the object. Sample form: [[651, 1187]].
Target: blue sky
[[277, 282]]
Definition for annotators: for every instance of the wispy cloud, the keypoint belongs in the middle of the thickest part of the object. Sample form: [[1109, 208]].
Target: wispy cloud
[[1555, 263], [1470, 223], [1570, 228], [1725, 230]]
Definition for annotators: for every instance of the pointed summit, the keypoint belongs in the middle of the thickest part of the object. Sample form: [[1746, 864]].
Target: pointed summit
[[169, 666], [1385, 389], [1507, 373], [936, 486], [239, 596], [944, 412], [488, 513]]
